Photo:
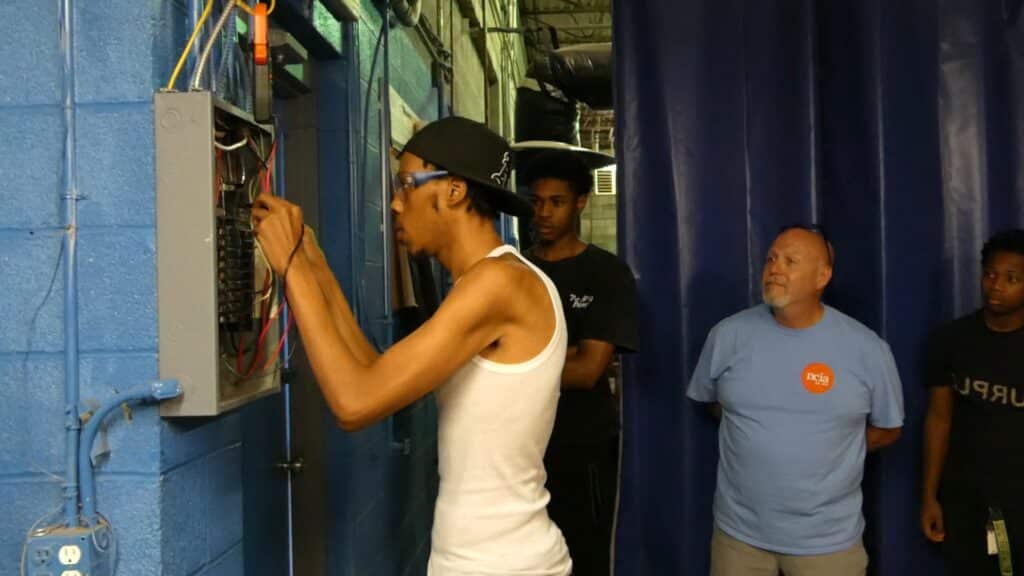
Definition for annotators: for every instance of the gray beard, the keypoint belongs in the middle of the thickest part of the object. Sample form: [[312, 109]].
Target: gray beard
[[776, 302]]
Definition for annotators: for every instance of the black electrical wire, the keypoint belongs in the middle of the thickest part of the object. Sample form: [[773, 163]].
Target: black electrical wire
[[39, 308]]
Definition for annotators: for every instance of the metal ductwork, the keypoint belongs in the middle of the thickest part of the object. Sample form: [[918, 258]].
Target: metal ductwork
[[407, 12], [583, 72]]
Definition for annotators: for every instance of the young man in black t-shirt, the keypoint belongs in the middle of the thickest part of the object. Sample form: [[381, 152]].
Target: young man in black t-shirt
[[973, 463], [599, 299]]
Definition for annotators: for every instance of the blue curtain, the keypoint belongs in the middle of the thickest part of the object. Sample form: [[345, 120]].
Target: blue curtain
[[897, 125]]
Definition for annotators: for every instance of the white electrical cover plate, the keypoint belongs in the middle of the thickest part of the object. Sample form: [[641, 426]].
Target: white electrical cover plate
[[69, 555]]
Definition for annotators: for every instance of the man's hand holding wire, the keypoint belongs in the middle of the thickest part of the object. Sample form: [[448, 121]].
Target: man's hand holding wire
[[280, 231]]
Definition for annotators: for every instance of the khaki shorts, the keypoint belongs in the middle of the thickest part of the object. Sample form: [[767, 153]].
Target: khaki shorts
[[731, 557]]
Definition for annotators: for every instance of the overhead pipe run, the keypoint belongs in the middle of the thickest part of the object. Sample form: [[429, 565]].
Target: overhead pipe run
[[407, 12], [582, 72]]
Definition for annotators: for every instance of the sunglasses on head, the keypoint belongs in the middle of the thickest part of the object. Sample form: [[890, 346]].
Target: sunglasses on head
[[813, 229]]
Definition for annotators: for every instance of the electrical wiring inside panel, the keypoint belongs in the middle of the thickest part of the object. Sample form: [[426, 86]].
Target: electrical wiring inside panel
[[221, 308], [248, 302]]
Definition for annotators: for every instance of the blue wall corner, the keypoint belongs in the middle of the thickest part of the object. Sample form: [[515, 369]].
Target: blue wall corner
[[201, 518]]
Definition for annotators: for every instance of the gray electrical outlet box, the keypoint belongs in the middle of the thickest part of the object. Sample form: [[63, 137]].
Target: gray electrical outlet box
[[62, 551], [219, 333]]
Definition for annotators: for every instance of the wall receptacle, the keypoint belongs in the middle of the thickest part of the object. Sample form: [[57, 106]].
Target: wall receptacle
[[63, 551]]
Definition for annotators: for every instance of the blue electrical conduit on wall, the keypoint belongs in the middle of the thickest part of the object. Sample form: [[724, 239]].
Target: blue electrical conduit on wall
[[156, 391], [78, 465], [70, 224]]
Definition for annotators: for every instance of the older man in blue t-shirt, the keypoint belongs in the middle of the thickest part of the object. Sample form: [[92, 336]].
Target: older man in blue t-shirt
[[803, 392]]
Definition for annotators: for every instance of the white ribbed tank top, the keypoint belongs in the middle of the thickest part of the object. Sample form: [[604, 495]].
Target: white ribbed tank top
[[494, 423]]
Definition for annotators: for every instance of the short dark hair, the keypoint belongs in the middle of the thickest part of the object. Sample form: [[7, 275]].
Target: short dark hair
[[1006, 241], [479, 201], [563, 167]]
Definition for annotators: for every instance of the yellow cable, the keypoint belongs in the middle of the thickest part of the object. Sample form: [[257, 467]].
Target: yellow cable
[[248, 9], [245, 7], [191, 40], [195, 32]]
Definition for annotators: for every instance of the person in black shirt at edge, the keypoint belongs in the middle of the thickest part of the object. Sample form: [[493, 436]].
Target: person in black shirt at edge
[[973, 464], [598, 294]]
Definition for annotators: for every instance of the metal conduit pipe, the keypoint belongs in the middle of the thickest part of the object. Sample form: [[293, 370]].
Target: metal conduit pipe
[[157, 391], [407, 11], [70, 217]]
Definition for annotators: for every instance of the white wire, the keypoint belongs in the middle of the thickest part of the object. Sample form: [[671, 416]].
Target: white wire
[[253, 184], [261, 374], [266, 263], [259, 247], [231, 147], [45, 472]]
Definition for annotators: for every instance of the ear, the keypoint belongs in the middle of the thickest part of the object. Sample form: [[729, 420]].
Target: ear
[[824, 276], [581, 203], [456, 192]]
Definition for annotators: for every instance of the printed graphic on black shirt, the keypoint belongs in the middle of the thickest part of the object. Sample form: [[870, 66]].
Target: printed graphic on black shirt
[[598, 295], [986, 369], [983, 466]]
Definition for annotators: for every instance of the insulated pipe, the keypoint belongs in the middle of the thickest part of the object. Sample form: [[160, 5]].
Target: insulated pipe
[[71, 423], [406, 11], [155, 391]]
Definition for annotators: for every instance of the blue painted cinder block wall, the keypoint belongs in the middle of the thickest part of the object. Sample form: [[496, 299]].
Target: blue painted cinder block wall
[[384, 502], [173, 491]]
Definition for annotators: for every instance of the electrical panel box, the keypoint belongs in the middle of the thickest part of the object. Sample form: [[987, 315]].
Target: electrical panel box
[[218, 301], [62, 551]]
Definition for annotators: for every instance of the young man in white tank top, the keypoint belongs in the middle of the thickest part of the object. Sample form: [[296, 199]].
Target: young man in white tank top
[[493, 351]]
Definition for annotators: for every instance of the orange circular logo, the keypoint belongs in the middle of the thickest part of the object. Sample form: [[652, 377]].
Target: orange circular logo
[[818, 378]]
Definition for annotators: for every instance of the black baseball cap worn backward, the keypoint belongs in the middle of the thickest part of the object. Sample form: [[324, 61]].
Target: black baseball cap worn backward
[[473, 151]]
